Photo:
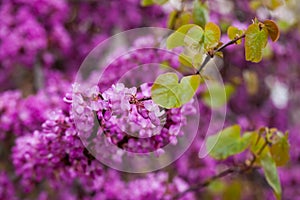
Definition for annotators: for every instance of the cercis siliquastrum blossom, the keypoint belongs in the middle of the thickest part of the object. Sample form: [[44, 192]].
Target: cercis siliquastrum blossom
[[128, 118]]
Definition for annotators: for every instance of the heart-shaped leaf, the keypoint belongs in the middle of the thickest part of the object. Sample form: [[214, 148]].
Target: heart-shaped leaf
[[191, 34], [183, 19], [228, 142], [273, 30], [270, 171], [212, 35], [169, 93], [185, 34], [255, 41], [234, 32], [280, 148], [200, 13], [185, 60]]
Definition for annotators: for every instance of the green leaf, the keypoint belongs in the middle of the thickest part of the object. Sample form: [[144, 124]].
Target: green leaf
[[177, 19], [216, 186], [273, 30], [147, 2], [197, 60], [270, 171], [178, 38], [280, 148], [168, 93], [233, 33], [172, 19], [192, 56], [185, 60], [212, 35], [228, 142], [255, 41], [184, 18], [233, 191], [152, 2], [160, 2], [255, 4], [200, 13], [193, 36], [258, 147], [265, 158], [273, 4], [251, 81], [216, 97]]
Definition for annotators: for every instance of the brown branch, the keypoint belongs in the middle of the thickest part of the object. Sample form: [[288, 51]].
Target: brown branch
[[144, 99], [134, 100], [210, 55], [234, 41], [206, 182]]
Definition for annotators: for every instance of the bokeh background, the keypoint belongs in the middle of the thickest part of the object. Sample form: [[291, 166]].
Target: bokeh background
[[42, 45]]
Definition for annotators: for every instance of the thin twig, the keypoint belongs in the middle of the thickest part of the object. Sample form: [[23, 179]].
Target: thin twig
[[230, 43], [211, 54], [207, 59], [144, 99], [134, 100], [206, 182]]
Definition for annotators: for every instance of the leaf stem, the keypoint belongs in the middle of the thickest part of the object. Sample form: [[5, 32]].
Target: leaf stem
[[207, 59], [210, 55], [230, 43], [262, 148]]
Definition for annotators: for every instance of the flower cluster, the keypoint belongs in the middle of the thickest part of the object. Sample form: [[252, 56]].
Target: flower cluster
[[42, 34], [54, 153], [21, 116], [127, 118]]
